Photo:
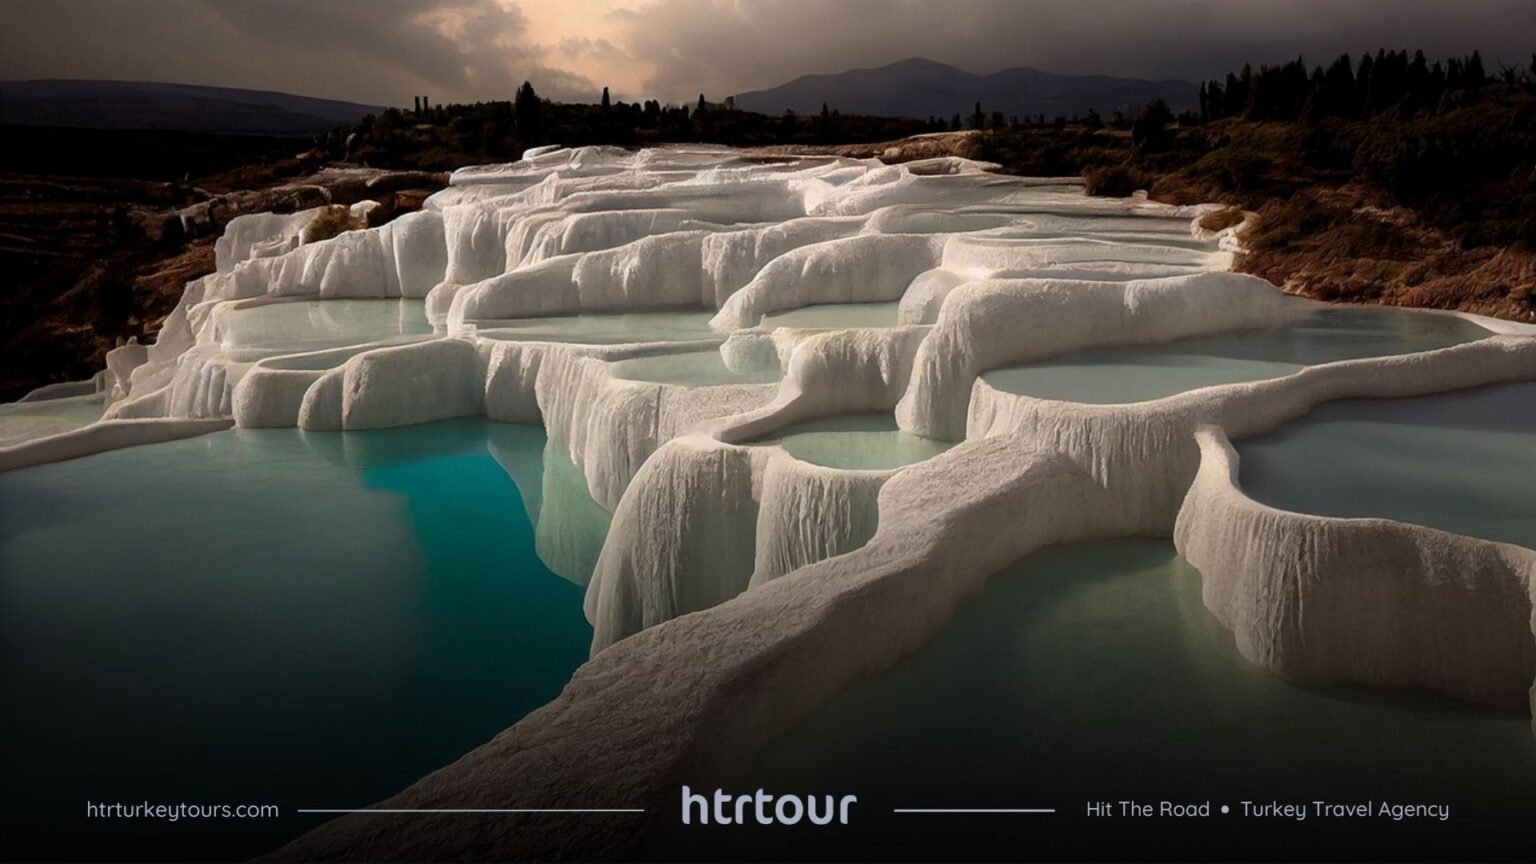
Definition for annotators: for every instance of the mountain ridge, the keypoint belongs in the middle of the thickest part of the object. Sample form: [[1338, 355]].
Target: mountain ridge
[[111, 104], [920, 87]]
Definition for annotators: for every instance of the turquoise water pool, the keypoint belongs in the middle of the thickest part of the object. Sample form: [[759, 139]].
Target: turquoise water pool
[[1121, 374], [855, 441], [1094, 673], [1462, 462], [266, 616]]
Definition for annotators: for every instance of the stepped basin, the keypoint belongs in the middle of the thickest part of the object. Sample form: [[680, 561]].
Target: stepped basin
[[867, 442], [831, 316], [703, 368], [319, 361], [1462, 462], [313, 324], [604, 328], [21, 422], [1093, 672], [1137, 373], [313, 620]]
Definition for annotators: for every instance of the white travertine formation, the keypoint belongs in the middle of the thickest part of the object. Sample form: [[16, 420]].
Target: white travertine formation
[[1145, 452], [1322, 600], [664, 557], [997, 322], [858, 269], [738, 586], [259, 235]]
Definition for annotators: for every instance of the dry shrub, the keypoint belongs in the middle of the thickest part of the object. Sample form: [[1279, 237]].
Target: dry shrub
[[333, 219], [1116, 181], [1221, 220]]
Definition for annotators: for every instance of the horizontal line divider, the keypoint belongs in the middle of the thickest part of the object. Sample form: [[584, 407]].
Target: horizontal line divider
[[973, 810], [481, 810]]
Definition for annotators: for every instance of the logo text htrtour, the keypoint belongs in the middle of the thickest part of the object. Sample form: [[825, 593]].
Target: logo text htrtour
[[762, 808]]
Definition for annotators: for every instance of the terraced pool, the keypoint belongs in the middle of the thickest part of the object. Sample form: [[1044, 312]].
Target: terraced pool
[[1121, 374], [855, 441], [1463, 462]]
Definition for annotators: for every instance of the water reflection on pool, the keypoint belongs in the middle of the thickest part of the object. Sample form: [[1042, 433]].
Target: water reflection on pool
[[855, 441], [1093, 672], [1135, 373], [306, 619], [1462, 462]]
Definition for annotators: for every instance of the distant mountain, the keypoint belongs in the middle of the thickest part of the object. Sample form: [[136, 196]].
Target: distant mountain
[[189, 107], [922, 88]]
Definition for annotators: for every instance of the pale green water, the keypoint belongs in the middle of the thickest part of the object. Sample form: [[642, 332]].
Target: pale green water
[[1462, 462], [316, 361], [1137, 373], [269, 616], [603, 328], [23, 421], [703, 368], [321, 323], [1094, 672], [855, 441], [831, 315]]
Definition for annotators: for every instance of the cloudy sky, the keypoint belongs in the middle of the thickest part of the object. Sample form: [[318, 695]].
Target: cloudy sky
[[386, 51]]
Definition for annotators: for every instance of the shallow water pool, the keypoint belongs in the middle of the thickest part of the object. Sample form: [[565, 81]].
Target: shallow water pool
[[835, 315], [855, 441], [1093, 672], [1462, 462], [1136, 373], [314, 324], [312, 620], [604, 328], [703, 368], [21, 422]]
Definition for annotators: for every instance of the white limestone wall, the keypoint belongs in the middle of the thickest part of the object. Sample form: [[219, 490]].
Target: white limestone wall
[[732, 258], [859, 269], [271, 398], [259, 235], [850, 371], [1322, 600], [1145, 452], [998, 322], [588, 229], [680, 541], [398, 386], [775, 513], [609, 426], [810, 513]]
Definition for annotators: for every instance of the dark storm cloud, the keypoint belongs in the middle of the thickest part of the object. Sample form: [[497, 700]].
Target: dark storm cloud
[[722, 47], [382, 51], [386, 51]]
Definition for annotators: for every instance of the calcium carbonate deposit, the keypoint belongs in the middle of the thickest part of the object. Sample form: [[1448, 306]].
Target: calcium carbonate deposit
[[822, 399]]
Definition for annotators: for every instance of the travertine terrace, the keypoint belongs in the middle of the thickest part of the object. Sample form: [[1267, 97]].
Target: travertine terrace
[[739, 586]]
